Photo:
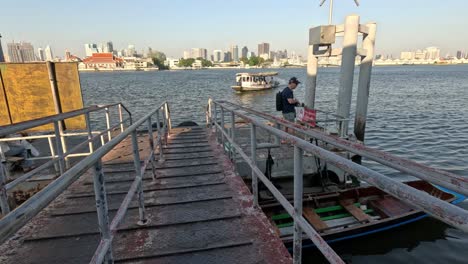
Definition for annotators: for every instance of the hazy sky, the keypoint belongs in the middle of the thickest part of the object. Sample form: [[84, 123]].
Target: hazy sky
[[176, 25]]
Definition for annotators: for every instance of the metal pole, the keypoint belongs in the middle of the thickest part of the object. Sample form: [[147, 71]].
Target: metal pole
[[216, 122], [298, 190], [58, 144], [233, 135], [311, 83], [253, 156], [90, 132], [101, 207], [160, 141], [109, 135], [121, 118], [277, 139], [151, 142], [347, 71], [137, 162], [222, 125], [330, 14], [52, 153], [164, 116], [365, 70], [3, 192], [168, 117]]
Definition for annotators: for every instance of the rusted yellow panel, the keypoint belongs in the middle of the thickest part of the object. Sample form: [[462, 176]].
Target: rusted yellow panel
[[4, 112], [29, 95], [68, 82]]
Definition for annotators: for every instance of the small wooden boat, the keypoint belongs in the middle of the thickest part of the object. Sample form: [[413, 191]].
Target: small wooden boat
[[354, 212], [255, 81]]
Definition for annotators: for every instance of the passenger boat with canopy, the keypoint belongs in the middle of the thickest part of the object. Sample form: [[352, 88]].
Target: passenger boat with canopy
[[255, 81]]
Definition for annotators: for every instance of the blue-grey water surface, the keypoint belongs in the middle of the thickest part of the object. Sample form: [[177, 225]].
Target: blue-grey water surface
[[417, 112]]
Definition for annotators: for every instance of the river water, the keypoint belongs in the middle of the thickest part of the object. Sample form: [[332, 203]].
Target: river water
[[417, 112]]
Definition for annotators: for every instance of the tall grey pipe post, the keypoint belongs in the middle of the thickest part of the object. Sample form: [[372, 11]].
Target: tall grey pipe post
[[253, 155], [348, 59], [233, 135], [139, 174], [58, 144], [58, 107], [216, 122], [102, 207], [160, 140], [298, 192], [222, 125], [3, 192], [311, 82], [151, 143], [368, 43]]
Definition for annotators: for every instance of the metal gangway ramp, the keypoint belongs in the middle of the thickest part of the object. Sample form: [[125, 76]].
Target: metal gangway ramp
[[184, 204]]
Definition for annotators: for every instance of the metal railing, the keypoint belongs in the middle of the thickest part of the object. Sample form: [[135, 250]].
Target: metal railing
[[444, 211], [17, 218], [59, 155]]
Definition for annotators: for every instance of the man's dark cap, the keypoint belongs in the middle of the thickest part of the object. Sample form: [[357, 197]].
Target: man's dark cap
[[294, 80]]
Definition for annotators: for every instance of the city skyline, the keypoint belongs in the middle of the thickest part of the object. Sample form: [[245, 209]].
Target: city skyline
[[418, 24]]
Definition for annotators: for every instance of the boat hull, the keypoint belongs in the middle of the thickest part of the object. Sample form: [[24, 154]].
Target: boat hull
[[358, 229]]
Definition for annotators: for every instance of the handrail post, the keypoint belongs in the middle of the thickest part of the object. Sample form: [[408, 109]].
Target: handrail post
[[121, 118], [90, 132], [216, 122], [52, 153], [222, 125], [58, 144], [151, 142], [298, 190], [164, 116], [168, 117], [253, 154], [102, 208], [233, 135], [137, 162], [3, 192], [158, 126], [109, 134], [277, 138]]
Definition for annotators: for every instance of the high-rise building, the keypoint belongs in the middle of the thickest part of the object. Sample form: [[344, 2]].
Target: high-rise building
[[420, 54], [227, 56], [218, 56], [432, 53], [90, 49], [199, 53], [460, 54], [2, 57], [187, 54], [235, 52], [131, 51], [263, 48], [109, 48], [407, 55], [68, 56], [21, 52], [244, 52], [40, 54], [49, 56]]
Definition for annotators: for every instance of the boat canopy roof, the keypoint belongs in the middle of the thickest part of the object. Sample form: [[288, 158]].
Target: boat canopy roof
[[257, 74]]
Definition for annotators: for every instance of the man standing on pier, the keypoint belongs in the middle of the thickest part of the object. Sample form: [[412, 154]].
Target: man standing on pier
[[289, 102]]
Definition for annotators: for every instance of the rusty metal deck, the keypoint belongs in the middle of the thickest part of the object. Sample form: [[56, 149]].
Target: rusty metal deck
[[200, 211]]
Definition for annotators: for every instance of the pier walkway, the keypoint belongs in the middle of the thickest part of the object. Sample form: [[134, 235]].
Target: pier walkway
[[198, 211]]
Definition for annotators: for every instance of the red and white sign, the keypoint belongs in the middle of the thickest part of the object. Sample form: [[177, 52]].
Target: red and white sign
[[306, 115]]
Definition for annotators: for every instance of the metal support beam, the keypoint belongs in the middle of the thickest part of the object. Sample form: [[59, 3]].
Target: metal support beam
[[58, 144], [298, 191], [311, 82], [137, 162], [233, 135], [90, 132], [365, 71], [121, 118], [151, 143], [109, 134], [253, 155], [3, 192], [216, 122], [101, 207], [222, 126], [347, 72], [160, 140]]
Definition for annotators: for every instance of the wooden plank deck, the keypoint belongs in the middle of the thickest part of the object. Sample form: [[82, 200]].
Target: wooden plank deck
[[199, 211]]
